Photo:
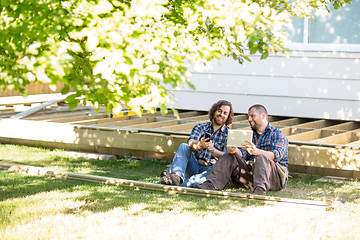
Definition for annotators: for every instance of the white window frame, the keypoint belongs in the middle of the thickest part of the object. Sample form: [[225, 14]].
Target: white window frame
[[306, 46]]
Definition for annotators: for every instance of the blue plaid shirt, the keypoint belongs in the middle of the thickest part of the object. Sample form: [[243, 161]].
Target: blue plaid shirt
[[219, 139], [272, 139]]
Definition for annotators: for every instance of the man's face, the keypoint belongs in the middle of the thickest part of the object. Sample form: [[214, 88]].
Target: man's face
[[255, 119], [221, 115]]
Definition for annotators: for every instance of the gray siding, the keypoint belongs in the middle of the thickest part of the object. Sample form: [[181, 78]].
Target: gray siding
[[302, 84]]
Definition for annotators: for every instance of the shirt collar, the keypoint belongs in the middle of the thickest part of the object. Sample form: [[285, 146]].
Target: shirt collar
[[222, 128]]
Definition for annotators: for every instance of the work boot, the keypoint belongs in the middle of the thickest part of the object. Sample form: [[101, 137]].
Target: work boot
[[207, 185], [259, 191], [168, 178]]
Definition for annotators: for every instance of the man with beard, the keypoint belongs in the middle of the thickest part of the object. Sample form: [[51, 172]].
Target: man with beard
[[207, 142], [262, 167]]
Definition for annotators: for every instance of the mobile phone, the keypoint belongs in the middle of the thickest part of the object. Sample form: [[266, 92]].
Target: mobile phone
[[207, 135]]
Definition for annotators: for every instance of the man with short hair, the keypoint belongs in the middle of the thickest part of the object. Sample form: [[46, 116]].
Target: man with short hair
[[207, 142], [268, 153]]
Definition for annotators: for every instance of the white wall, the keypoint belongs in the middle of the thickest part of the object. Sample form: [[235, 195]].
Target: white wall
[[304, 84]]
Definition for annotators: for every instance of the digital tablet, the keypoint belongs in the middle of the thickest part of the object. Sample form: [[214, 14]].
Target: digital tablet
[[237, 137]]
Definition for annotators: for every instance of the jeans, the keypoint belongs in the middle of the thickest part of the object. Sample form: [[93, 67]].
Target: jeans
[[186, 165]]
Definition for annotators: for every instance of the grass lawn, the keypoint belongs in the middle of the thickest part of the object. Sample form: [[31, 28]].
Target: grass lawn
[[42, 208]]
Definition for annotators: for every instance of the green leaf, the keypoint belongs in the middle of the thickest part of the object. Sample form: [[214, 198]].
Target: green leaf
[[264, 55], [163, 109], [253, 50], [65, 90]]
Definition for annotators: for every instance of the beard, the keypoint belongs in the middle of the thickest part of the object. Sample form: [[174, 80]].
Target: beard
[[219, 121], [254, 127]]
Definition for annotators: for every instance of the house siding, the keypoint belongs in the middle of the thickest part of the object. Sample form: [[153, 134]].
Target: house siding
[[314, 84]]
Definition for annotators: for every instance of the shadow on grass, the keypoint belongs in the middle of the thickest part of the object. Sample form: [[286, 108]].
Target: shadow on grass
[[103, 198], [125, 168]]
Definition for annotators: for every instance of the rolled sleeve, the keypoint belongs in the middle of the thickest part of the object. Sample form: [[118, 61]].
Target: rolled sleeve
[[279, 146]]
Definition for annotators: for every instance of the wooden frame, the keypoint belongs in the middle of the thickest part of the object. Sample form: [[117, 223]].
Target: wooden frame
[[327, 147]]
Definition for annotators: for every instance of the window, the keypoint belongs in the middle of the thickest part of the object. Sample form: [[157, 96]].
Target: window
[[339, 28]]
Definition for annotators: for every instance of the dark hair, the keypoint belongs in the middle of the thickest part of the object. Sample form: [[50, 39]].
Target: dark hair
[[260, 109], [218, 105]]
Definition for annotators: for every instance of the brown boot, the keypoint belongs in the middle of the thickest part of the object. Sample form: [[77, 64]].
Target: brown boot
[[170, 178], [259, 191]]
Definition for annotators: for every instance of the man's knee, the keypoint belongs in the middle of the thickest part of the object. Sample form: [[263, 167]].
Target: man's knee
[[261, 160], [227, 157], [184, 147]]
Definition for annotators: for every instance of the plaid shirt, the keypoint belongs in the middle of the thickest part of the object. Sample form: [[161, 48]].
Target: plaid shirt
[[219, 139], [272, 139]]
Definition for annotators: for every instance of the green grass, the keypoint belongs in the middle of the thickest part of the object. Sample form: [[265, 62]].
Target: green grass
[[62, 209]]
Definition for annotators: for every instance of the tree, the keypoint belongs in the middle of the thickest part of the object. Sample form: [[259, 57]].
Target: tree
[[128, 53]]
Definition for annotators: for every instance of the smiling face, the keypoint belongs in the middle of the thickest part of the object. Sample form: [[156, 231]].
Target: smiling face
[[221, 115], [257, 120]]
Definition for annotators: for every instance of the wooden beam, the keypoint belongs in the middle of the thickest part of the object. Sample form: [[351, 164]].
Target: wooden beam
[[196, 118], [109, 121], [312, 135], [133, 120], [189, 114], [38, 98], [186, 127], [155, 125], [43, 172], [294, 130], [39, 108], [87, 116], [317, 124], [332, 158], [288, 122], [238, 118], [93, 136], [350, 174], [347, 126], [59, 115], [343, 138]]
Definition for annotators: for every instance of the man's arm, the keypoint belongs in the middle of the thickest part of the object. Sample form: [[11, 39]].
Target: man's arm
[[216, 153], [234, 150], [203, 144], [253, 150], [196, 145]]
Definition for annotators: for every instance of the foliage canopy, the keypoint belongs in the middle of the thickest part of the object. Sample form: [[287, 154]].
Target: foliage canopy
[[120, 53]]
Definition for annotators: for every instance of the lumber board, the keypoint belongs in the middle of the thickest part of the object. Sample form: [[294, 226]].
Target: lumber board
[[57, 115], [186, 127], [349, 174], [156, 124], [289, 131], [347, 126], [189, 114], [312, 135], [44, 172], [196, 118], [317, 124], [238, 118], [132, 120], [39, 108], [83, 135], [86, 116], [125, 122], [355, 143], [343, 138], [324, 157], [110, 121], [19, 100], [289, 122]]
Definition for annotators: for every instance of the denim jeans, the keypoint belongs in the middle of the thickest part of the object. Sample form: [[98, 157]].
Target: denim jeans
[[186, 165]]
